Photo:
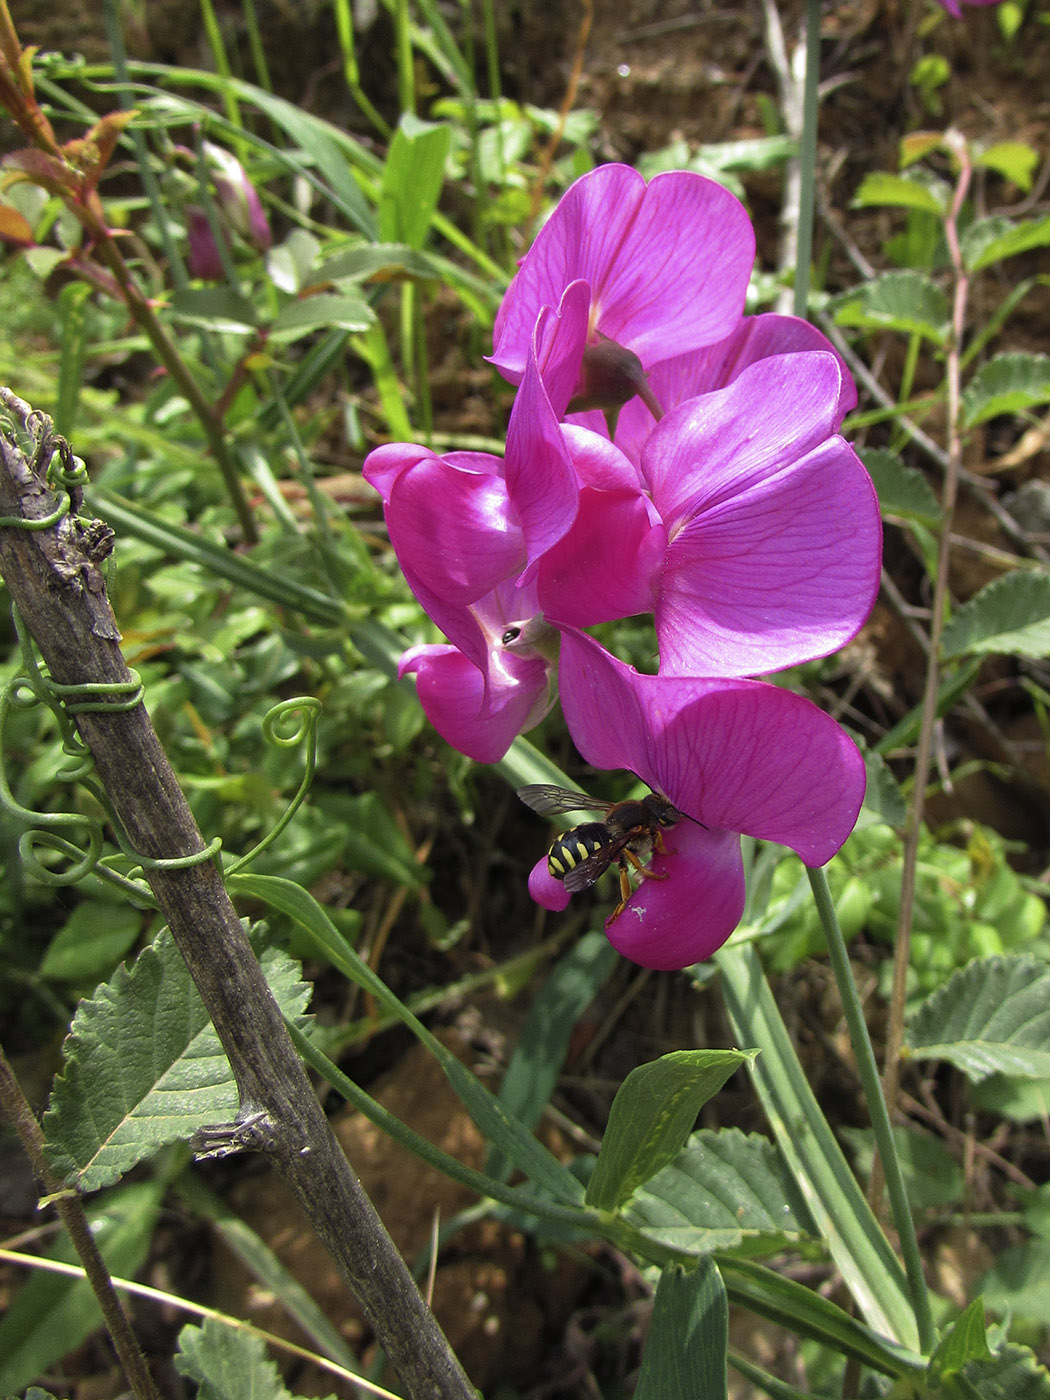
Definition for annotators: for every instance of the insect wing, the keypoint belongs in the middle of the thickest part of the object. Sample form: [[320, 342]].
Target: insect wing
[[547, 799], [583, 876]]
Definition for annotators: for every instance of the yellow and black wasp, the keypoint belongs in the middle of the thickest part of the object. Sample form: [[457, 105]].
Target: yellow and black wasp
[[628, 833]]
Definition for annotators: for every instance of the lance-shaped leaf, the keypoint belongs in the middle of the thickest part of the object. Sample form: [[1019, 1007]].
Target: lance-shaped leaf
[[993, 1016], [652, 1115], [688, 1343], [144, 1066]]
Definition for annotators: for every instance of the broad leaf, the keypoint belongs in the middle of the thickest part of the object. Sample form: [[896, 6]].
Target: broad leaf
[[724, 1190], [342, 309], [1016, 1284], [52, 1314], [652, 1114], [1013, 1373], [219, 309], [897, 301], [1010, 616], [902, 490], [412, 178], [991, 240], [144, 1067], [993, 1016], [882, 188], [91, 942], [1007, 384], [687, 1347], [931, 1174], [228, 1364], [1015, 161]]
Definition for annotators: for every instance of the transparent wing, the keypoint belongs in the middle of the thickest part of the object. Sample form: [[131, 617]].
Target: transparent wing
[[547, 799], [583, 876]]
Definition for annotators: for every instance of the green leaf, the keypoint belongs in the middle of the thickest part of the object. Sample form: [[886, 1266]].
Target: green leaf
[[1010, 615], [379, 262], [932, 1175], [724, 1190], [993, 1016], [916, 191], [144, 1067], [687, 1347], [902, 301], [991, 240], [52, 1314], [1013, 1373], [902, 490], [870, 1268], [1006, 384], [652, 1114], [228, 1364], [218, 309], [1015, 161], [965, 1340], [321, 312], [412, 178], [1015, 1285], [92, 941]]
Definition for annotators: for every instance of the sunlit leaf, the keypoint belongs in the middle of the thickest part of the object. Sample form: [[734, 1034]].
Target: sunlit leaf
[[965, 1340], [144, 1067], [882, 188], [991, 240], [899, 301], [1006, 384], [1015, 161], [228, 1364], [993, 1016], [321, 312], [412, 178], [1010, 615], [652, 1114]]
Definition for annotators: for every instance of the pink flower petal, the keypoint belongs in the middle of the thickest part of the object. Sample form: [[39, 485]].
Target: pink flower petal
[[548, 892], [785, 572], [682, 919], [737, 755], [607, 565], [667, 264], [477, 719]]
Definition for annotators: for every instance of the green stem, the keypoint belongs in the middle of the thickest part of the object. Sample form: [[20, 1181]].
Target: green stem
[[808, 158], [880, 1118]]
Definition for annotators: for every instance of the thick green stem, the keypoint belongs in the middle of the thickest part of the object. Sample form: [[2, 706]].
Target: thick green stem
[[880, 1118]]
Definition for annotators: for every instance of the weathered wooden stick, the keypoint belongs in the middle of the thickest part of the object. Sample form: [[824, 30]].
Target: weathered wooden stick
[[55, 579]]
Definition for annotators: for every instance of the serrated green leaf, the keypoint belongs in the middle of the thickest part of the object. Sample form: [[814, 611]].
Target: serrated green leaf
[[993, 1016], [144, 1067], [991, 240], [688, 1342], [1006, 384], [321, 312], [52, 1314], [228, 1364], [97, 934], [882, 188], [965, 1340], [884, 802], [902, 301], [1010, 615], [901, 490], [724, 1190], [218, 309], [652, 1114], [1013, 1373]]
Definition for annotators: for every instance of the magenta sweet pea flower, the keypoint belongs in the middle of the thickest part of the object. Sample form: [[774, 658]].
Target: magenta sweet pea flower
[[749, 528], [665, 265], [734, 757], [469, 530]]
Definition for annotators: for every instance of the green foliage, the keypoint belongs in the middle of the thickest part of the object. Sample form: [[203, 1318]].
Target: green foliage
[[144, 1067], [228, 1364], [1010, 615], [688, 1338], [992, 1017]]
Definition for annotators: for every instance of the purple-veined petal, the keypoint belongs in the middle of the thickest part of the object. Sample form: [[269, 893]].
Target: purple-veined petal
[[545, 889], [714, 447], [784, 572], [667, 264], [683, 918], [479, 719], [607, 565], [559, 338], [736, 755]]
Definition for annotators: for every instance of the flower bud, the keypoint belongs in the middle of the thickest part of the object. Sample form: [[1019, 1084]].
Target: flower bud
[[236, 197]]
